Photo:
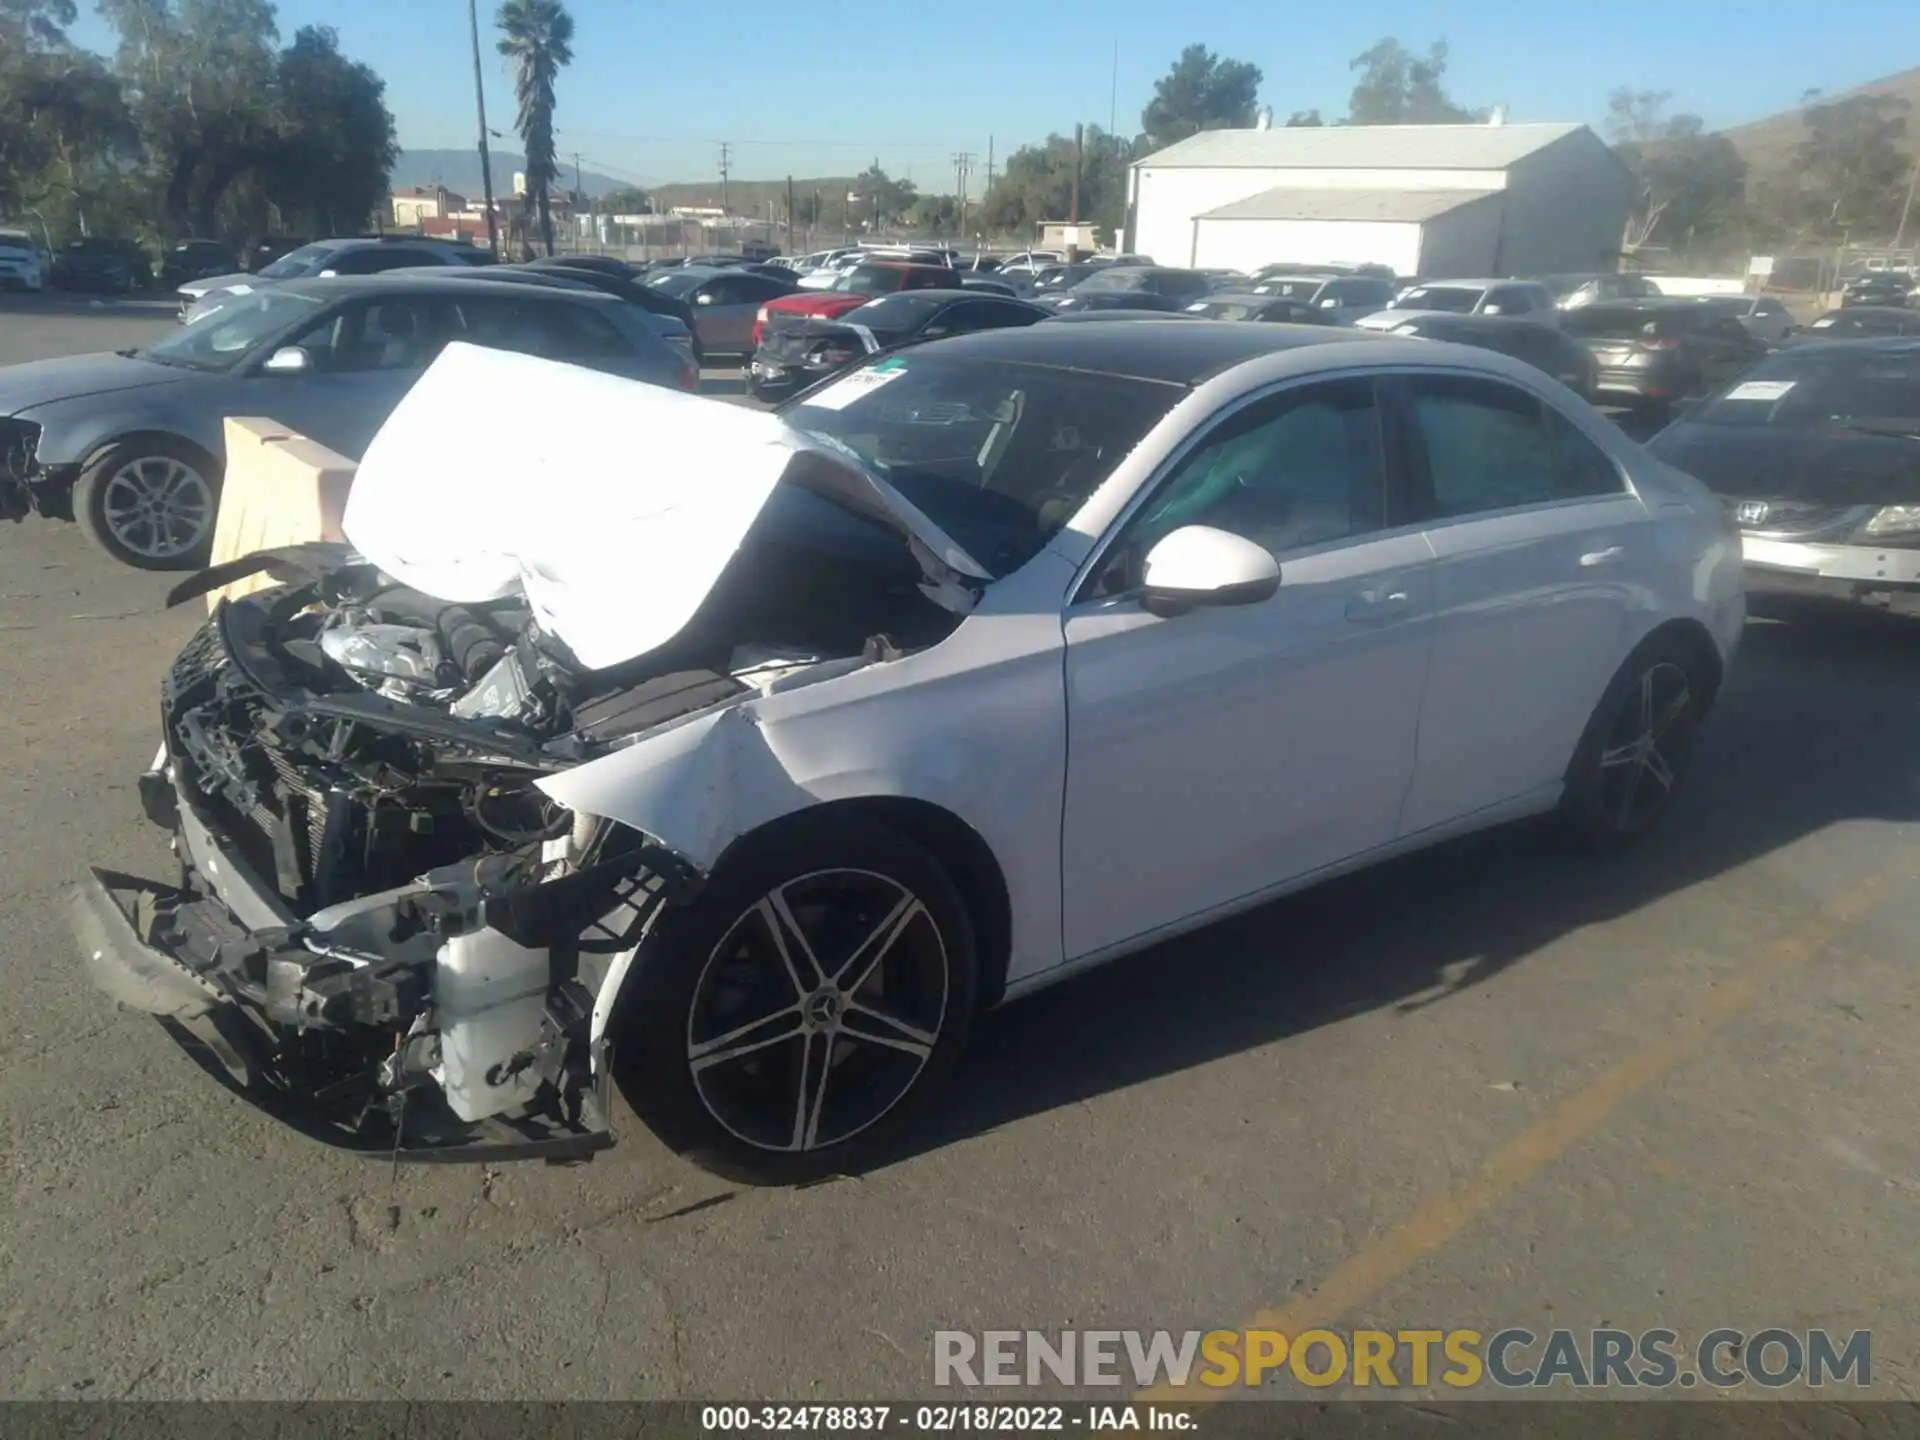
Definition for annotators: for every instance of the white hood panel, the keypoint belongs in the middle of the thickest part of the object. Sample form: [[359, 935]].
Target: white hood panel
[[614, 505]]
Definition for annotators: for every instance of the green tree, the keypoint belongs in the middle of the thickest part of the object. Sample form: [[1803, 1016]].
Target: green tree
[[627, 200], [1037, 184], [1852, 167], [1304, 118], [65, 137], [881, 199], [537, 35], [336, 147], [1201, 92], [1397, 87], [199, 79], [1688, 185]]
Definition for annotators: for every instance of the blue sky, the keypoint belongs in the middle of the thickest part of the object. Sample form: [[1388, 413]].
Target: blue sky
[[827, 86]]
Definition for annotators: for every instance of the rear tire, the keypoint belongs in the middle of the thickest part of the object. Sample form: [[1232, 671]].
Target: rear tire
[[1635, 749], [835, 953]]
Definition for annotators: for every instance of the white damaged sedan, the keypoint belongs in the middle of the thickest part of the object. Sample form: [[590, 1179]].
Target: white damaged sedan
[[742, 759]]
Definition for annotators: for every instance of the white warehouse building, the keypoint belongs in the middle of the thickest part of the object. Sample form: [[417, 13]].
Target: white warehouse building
[[1429, 200]]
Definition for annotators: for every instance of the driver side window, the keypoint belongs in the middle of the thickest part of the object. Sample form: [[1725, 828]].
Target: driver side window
[[1305, 468]]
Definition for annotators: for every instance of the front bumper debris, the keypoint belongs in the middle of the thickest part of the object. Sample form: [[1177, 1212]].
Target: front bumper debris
[[280, 1014]]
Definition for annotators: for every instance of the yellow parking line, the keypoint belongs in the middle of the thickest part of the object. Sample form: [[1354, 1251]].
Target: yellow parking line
[[1381, 1261]]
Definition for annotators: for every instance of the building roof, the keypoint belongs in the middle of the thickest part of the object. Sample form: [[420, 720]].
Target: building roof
[[1287, 202], [1363, 147]]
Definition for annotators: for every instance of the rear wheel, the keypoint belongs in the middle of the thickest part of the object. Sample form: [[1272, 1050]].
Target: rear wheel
[[1636, 746], [793, 1021], [150, 502]]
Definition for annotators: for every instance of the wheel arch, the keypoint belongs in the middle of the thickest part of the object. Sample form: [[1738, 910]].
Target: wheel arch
[[95, 449], [960, 849], [1693, 635]]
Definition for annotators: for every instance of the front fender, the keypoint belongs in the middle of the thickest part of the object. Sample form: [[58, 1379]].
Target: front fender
[[72, 432]]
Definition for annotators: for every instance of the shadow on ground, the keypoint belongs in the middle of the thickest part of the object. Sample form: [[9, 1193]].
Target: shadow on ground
[[1815, 728]]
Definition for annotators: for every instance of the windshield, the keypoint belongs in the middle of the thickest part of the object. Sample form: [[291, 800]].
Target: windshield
[[1111, 278], [221, 336], [677, 283], [297, 264], [998, 454], [1303, 290], [872, 279], [1225, 309], [1844, 387], [902, 311], [1454, 299]]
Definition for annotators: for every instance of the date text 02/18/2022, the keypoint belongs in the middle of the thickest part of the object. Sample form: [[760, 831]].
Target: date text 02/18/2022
[[941, 1419]]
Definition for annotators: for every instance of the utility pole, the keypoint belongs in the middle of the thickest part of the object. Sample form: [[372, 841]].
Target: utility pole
[[875, 232], [1073, 206], [789, 214], [962, 168], [725, 169], [1913, 179], [480, 104], [989, 165], [1113, 95]]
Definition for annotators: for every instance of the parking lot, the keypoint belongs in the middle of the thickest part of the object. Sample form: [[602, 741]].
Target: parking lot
[[1501, 1085]]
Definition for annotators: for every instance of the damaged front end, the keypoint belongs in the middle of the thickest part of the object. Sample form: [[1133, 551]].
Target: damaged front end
[[21, 477], [382, 933]]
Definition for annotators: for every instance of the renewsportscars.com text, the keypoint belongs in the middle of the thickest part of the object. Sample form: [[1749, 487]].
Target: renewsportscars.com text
[[1511, 1359]]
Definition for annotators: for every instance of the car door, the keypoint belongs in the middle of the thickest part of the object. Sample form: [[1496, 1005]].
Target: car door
[[1540, 550], [1219, 753], [722, 314], [362, 358]]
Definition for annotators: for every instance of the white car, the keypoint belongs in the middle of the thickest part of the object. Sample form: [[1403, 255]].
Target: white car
[[749, 764], [23, 264], [1527, 299]]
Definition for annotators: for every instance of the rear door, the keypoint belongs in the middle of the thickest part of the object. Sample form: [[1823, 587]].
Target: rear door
[[1540, 549]]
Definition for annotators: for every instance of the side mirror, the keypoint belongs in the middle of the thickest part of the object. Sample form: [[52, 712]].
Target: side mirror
[[1491, 310], [289, 360], [1330, 303], [703, 299], [1198, 565]]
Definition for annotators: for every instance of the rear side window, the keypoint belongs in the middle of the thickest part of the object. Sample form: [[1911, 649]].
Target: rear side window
[[1492, 447]]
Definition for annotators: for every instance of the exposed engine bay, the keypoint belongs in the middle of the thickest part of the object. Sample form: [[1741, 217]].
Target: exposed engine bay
[[384, 930]]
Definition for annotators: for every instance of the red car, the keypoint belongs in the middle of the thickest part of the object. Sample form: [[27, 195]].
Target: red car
[[859, 285]]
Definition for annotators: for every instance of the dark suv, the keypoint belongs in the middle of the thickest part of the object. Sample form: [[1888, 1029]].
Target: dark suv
[[1652, 353], [1878, 287], [117, 267]]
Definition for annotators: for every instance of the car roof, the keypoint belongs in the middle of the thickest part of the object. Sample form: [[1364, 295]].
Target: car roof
[[1180, 351], [1485, 324], [1244, 297], [932, 295], [426, 281], [1869, 310]]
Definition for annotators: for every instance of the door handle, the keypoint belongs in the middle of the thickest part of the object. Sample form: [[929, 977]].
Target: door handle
[[1602, 557], [1372, 606]]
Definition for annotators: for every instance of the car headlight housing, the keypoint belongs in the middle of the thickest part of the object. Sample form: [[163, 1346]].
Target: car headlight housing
[[1894, 520]]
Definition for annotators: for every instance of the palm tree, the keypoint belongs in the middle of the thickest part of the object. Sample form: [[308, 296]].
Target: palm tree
[[537, 35]]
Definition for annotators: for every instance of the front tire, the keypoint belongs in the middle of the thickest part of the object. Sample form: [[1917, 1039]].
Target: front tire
[[793, 1021], [150, 503], [1636, 746]]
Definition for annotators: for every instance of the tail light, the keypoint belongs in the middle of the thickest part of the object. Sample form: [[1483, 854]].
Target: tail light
[[689, 378]]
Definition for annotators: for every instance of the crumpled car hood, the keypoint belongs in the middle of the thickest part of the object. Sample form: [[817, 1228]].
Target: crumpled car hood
[[612, 505]]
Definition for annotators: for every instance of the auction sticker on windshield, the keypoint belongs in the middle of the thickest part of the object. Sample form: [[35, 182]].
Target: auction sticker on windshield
[[1760, 389], [844, 392]]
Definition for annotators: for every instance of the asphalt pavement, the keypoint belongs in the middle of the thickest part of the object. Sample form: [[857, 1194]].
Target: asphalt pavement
[[1495, 1086]]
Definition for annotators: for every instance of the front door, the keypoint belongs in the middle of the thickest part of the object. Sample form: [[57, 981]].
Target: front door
[[1539, 551], [1218, 753], [363, 358]]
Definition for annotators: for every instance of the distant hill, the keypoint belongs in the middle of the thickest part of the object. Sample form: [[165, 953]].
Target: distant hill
[[1767, 145], [460, 170]]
